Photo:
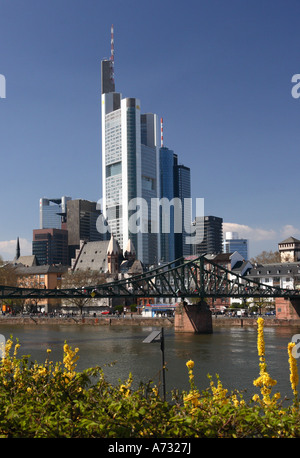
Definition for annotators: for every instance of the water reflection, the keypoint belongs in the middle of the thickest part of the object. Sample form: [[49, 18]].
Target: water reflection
[[229, 352]]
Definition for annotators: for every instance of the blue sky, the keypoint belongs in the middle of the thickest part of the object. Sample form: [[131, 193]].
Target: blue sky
[[219, 72]]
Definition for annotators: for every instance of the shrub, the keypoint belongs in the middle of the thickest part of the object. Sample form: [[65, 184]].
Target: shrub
[[53, 400]]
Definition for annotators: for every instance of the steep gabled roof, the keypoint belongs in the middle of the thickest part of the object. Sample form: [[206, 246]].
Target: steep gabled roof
[[113, 246]]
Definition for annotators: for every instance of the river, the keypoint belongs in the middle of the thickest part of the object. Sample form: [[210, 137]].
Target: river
[[230, 352]]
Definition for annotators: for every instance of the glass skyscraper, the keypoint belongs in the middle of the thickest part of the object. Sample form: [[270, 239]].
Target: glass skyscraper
[[167, 236], [53, 212], [182, 190], [130, 164], [232, 243], [136, 171]]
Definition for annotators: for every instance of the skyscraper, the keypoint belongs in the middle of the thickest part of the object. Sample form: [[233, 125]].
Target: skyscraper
[[82, 218], [209, 232], [130, 169], [50, 246], [53, 212], [232, 243], [167, 235], [182, 190], [175, 226]]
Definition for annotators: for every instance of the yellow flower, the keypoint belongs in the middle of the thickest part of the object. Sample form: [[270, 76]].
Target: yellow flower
[[17, 346], [190, 364], [218, 391], [260, 337], [155, 391], [235, 400], [294, 378], [192, 397], [125, 389], [264, 381], [69, 360]]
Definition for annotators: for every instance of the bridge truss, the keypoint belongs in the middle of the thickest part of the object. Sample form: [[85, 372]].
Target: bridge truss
[[197, 278]]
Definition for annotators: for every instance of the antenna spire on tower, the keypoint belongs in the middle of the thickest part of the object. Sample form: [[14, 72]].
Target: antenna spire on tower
[[112, 53], [161, 133]]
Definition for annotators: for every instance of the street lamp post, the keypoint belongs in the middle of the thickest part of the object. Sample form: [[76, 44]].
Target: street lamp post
[[158, 336]]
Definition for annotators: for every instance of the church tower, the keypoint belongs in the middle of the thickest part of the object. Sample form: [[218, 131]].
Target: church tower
[[113, 255]]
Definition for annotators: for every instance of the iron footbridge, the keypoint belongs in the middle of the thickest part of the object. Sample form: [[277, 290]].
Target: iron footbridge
[[198, 278]]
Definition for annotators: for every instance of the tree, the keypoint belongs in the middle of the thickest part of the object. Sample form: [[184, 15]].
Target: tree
[[80, 279], [266, 257], [8, 276]]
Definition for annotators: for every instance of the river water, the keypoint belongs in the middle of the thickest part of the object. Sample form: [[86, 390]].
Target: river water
[[230, 352]]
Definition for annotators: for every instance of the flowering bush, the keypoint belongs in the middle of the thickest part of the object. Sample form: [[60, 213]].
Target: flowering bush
[[54, 400]]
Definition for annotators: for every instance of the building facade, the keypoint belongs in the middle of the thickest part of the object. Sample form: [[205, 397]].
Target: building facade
[[289, 250], [166, 216], [44, 276], [232, 243], [53, 212], [282, 275], [137, 172], [50, 246], [209, 235], [130, 174], [182, 190], [82, 216]]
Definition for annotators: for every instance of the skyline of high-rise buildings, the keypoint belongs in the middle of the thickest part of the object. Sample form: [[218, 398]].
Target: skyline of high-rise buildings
[[137, 170]]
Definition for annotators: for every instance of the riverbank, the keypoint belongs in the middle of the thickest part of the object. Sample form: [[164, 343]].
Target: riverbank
[[252, 321], [88, 320], [138, 320]]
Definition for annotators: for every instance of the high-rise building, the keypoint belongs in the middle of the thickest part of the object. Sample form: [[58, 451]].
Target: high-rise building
[[182, 190], [130, 170], [82, 218], [175, 218], [137, 170], [233, 243], [167, 235], [53, 212], [209, 233], [50, 246]]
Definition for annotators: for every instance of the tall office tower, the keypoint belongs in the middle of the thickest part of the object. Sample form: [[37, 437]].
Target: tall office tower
[[82, 218], [130, 165], [175, 219], [53, 212], [232, 243], [167, 235], [182, 189], [50, 246], [209, 232]]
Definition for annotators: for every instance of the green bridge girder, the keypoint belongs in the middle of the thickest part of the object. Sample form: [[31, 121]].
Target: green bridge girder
[[197, 278]]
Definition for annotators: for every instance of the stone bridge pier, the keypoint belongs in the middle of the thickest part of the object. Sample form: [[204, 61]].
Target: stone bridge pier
[[194, 318], [287, 308]]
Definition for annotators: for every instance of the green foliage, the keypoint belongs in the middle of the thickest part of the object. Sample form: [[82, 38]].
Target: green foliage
[[54, 401]]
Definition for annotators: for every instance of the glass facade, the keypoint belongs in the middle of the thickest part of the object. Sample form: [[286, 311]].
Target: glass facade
[[239, 245], [50, 246], [167, 190], [130, 165], [113, 172], [209, 229], [52, 212], [182, 189]]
